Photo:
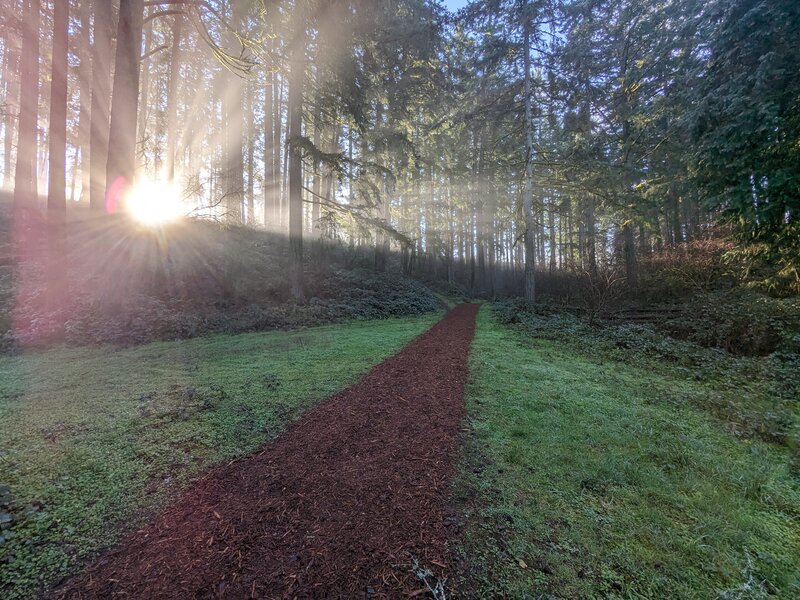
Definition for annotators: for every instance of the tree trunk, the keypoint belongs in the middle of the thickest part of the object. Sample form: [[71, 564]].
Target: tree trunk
[[233, 100], [57, 186], [11, 100], [589, 224], [85, 87], [295, 104], [25, 185], [329, 190], [172, 95], [251, 134], [281, 156], [629, 248], [271, 151], [121, 166], [101, 95], [316, 185], [144, 97], [527, 202], [57, 127]]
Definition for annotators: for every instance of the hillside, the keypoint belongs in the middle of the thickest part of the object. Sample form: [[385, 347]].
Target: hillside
[[131, 284]]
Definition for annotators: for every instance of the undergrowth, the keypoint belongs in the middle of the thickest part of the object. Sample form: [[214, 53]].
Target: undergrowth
[[128, 285]]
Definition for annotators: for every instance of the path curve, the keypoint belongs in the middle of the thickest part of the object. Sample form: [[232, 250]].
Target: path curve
[[336, 507]]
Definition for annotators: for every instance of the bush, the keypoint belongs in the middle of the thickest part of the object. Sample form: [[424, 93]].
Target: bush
[[740, 322]]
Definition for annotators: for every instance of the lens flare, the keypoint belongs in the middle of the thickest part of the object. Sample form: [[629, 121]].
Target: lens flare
[[155, 202]]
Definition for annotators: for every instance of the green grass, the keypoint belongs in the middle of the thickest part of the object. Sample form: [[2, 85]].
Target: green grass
[[586, 478], [92, 441]]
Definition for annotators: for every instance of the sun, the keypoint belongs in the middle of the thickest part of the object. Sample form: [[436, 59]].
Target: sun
[[154, 202]]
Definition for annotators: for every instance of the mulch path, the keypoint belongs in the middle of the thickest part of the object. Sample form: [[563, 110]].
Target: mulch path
[[339, 506]]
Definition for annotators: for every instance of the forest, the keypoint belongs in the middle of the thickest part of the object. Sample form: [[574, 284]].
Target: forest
[[400, 299]]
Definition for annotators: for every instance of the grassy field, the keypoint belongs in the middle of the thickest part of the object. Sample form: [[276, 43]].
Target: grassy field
[[587, 478], [93, 440]]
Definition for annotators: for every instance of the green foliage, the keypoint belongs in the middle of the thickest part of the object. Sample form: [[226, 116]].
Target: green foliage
[[93, 441], [747, 127], [739, 322], [588, 478]]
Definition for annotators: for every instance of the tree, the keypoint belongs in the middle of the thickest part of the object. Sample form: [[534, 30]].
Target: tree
[[25, 184], [85, 87], [232, 105], [297, 75], [172, 94], [121, 169], [56, 189], [747, 127], [530, 221], [100, 103]]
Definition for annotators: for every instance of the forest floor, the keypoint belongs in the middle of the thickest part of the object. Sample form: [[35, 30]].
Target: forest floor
[[349, 502]]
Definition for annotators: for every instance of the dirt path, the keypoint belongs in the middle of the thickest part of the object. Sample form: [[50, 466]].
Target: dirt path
[[336, 507]]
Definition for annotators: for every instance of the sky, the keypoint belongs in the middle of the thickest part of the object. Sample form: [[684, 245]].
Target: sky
[[454, 5]]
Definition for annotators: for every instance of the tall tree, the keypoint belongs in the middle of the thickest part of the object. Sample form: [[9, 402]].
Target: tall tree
[[25, 173], [232, 105], [121, 169], [527, 207], [10, 86], [100, 103], [172, 94], [57, 128], [746, 129], [297, 75], [56, 189], [84, 90]]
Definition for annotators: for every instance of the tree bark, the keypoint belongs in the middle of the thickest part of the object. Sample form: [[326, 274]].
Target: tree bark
[[25, 184], [233, 99], [100, 103], [11, 87], [527, 202], [172, 95], [295, 104], [57, 186], [121, 166], [85, 91]]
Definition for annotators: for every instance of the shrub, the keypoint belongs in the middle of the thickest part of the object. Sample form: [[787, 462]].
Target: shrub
[[740, 322]]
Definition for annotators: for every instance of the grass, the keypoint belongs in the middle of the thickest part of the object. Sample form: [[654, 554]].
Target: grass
[[587, 478], [92, 441]]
